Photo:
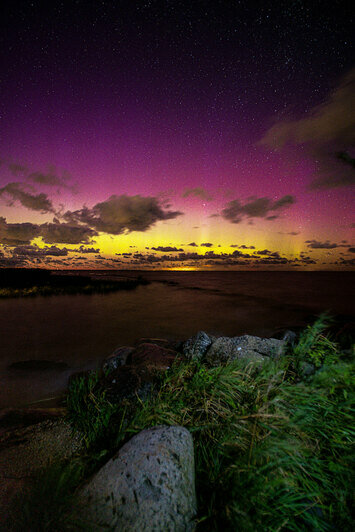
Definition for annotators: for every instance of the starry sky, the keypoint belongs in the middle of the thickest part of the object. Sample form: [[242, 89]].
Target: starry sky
[[177, 135]]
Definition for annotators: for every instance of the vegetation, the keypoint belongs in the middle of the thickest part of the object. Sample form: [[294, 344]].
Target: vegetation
[[32, 282], [273, 449]]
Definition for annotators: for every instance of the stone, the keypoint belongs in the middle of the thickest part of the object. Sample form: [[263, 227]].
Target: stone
[[129, 382], [307, 369], [250, 348], [163, 342], [149, 485], [153, 356], [196, 347], [117, 359]]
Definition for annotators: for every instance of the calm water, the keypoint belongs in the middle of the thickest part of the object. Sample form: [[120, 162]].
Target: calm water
[[82, 330]]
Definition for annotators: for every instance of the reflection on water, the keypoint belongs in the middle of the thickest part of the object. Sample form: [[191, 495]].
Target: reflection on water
[[82, 330]]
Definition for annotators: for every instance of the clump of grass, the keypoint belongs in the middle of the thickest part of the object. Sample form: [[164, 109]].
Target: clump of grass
[[88, 409], [314, 346], [272, 451]]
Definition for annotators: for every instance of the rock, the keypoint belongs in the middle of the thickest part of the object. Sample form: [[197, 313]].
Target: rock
[[117, 359], [247, 347], [153, 356], [196, 347], [307, 369], [157, 341], [149, 485], [128, 382]]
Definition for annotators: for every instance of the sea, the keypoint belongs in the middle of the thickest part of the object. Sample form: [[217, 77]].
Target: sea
[[82, 330]]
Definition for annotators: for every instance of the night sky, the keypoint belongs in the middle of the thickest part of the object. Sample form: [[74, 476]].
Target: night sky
[[180, 135]]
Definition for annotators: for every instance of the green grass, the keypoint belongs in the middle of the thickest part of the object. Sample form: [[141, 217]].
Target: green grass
[[273, 451]]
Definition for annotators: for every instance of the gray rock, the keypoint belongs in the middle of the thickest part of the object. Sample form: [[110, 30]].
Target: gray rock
[[117, 359], [250, 348], [196, 347], [307, 369], [147, 486]]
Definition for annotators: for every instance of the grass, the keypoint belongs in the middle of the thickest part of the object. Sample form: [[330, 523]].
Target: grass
[[273, 451]]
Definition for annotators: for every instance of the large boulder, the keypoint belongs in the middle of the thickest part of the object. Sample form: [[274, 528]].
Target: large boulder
[[196, 347], [153, 355], [149, 485], [250, 348], [117, 359]]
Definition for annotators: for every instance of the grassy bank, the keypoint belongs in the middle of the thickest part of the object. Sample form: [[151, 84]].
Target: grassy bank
[[31, 283], [273, 447]]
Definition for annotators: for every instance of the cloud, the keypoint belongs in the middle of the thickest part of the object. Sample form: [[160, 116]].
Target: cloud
[[47, 178], [291, 233], [351, 250], [314, 244], [35, 251], [84, 250], [18, 233], [120, 214], [52, 233], [197, 192], [13, 192], [65, 233], [193, 244], [235, 211], [328, 133], [207, 244], [166, 249]]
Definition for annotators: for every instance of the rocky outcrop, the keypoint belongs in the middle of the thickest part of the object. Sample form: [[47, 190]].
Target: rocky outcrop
[[216, 351], [149, 485], [249, 348], [196, 347]]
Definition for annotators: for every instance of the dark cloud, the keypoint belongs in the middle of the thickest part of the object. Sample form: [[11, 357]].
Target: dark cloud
[[120, 214], [235, 211], [207, 244], [242, 246], [35, 251], [198, 192], [16, 234], [57, 233], [166, 249], [13, 192], [348, 262], [193, 244], [328, 133], [47, 178], [84, 250], [52, 233], [274, 254], [351, 250], [291, 233], [314, 244]]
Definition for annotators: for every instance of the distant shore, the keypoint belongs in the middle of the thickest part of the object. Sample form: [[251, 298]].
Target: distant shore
[[36, 282]]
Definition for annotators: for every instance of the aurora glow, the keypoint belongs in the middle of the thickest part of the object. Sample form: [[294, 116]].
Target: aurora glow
[[177, 126]]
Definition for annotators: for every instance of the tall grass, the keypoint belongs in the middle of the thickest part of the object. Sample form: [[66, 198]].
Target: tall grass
[[272, 451]]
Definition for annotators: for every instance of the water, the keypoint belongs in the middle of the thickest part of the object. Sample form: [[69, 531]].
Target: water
[[82, 330]]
